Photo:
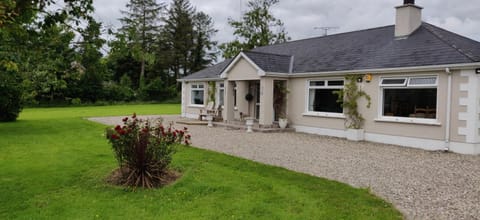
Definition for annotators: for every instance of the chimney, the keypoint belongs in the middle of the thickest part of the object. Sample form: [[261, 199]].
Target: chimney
[[409, 18]]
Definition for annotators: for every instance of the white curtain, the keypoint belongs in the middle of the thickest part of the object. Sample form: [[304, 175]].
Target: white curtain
[[311, 99]]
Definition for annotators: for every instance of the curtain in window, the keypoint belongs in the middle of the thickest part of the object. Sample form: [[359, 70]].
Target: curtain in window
[[311, 100]]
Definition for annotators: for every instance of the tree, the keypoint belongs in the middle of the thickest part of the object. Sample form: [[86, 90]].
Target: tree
[[26, 11], [258, 27], [204, 52], [178, 36], [10, 92], [187, 40], [141, 25], [120, 61], [90, 85], [22, 25], [50, 67]]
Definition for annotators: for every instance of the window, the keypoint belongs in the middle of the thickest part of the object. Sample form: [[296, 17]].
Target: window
[[414, 97], [197, 94], [221, 93], [235, 94], [321, 97]]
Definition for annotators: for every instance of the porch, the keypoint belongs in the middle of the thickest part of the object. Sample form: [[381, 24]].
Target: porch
[[263, 100]]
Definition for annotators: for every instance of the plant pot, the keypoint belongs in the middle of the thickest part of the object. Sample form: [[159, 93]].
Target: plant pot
[[355, 134], [282, 122], [210, 120]]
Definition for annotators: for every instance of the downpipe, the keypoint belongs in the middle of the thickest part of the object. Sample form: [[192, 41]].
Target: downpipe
[[449, 109]]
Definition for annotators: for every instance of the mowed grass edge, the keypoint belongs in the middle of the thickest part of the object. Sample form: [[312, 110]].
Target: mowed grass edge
[[53, 165]]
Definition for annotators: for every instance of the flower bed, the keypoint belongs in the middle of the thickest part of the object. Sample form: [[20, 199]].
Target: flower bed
[[144, 152]]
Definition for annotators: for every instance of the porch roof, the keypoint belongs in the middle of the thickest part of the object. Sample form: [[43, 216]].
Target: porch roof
[[269, 62]]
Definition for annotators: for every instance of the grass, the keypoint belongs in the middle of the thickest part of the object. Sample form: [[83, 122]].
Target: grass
[[53, 164]]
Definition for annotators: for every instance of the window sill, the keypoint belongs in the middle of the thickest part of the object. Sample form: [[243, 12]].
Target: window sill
[[196, 106], [418, 121], [325, 115]]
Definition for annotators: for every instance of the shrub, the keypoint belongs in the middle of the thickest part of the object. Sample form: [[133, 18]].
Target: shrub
[[76, 101], [144, 151], [10, 95], [157, 90], [116, 92]]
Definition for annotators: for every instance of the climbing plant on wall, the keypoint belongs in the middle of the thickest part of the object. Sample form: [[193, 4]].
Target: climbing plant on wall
[[349, 98]]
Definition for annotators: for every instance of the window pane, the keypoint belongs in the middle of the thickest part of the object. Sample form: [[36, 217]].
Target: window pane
[[415, 103], [200, 86], [222, 85], [197, 97], [220, 96], [323, 100], [393, 81], [194, 86], [423, 81], [317, 83], [335, 83]]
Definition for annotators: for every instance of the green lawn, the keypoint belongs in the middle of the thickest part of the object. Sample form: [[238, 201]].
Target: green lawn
[[53, 164]]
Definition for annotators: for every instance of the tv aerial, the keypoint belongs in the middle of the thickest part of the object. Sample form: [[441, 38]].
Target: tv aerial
[[326, 29]]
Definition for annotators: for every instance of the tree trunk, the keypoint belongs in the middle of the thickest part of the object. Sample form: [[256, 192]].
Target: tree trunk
[[142, 74]]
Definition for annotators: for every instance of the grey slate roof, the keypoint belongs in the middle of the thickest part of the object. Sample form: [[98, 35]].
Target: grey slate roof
[[277, 63], [374, 48], [212, 72]]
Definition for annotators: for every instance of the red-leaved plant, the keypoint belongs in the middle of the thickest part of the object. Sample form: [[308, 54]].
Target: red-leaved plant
[[144, 151]]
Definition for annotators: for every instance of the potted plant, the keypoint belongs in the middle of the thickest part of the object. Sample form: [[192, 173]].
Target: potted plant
[[282, 122], [349, 97], [280, 98]]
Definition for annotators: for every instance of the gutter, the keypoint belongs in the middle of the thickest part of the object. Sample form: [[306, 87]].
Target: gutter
[[389, 70], [200, 80], [449, 110]]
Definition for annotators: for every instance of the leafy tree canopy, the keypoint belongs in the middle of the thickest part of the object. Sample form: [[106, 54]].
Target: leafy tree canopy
[[258, 27]]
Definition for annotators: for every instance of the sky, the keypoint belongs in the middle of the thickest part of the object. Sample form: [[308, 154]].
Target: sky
[[301, 17]]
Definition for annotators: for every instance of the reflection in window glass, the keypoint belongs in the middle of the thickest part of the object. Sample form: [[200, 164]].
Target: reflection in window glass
[[408, 102]]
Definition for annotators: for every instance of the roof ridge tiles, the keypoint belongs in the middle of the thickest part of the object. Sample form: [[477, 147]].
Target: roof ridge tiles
[[328, 36], [260, 52]]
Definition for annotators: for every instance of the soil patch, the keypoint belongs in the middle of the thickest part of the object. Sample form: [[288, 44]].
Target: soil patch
[[119, 177]]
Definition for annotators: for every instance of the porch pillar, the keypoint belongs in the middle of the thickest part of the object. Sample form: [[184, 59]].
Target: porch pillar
[[228, 102], [266, 101], [184, 99], [242, 103]]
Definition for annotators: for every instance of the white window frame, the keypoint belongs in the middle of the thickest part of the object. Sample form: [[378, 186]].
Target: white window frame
[[325, 86], [394, 78], [220, 89], [408, 120], [196, 87]]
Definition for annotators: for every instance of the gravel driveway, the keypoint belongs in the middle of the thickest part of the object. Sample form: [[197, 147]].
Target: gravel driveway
[[421, 184]]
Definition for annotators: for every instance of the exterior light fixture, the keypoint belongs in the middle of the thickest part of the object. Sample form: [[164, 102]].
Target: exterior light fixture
[[368, 77]]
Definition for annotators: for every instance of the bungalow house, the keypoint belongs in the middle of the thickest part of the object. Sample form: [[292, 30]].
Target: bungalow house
[[423, 81]]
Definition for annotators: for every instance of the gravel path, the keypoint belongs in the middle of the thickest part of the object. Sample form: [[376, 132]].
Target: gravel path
[[421, 184]]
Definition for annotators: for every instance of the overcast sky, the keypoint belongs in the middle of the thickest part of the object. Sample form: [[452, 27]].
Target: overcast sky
[[302, 16]]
